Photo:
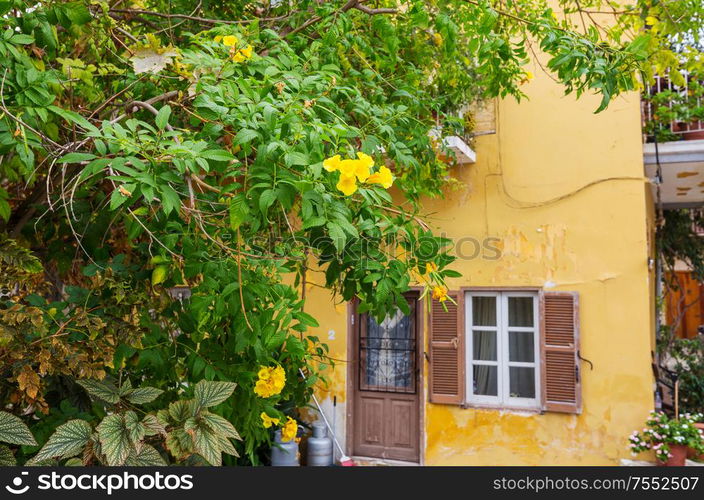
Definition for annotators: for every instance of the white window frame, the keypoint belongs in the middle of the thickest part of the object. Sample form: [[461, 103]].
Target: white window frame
[[503, 399]]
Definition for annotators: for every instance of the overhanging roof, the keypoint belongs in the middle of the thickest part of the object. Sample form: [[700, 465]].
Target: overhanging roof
[[682, 165]]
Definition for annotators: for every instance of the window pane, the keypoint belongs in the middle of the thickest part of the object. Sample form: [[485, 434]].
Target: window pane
[[522, 382], [484, 345], [484, 311], [520, 311], [485, 381], [521, 346]]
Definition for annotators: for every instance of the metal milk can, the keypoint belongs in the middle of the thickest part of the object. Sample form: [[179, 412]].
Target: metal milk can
[[319, 446], [284, 453]]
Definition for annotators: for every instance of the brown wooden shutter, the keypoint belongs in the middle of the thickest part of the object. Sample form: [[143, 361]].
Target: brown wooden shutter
[[447, 351], [561, 377]]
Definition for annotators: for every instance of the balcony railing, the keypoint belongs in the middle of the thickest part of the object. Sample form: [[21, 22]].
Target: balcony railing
[[675, 112]]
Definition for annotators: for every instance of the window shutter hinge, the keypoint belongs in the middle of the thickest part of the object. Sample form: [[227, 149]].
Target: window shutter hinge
[[352, 319]]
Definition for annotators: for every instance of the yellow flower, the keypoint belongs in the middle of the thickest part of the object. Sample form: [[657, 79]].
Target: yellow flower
[[271, 381], [347, 184], [262, 389], [247, 51], [348, 168], [366, 160], [355, 168], [230, 40], [440, 293], [268, 421], [437, 38], [217, 39], [352, 171], [238, 57], [529, 75], [431, 267], [383, 177], [332, 164], [278, 378], [289, 430]]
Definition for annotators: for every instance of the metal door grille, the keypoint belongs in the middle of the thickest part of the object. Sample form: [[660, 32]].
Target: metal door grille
[[387, 354]]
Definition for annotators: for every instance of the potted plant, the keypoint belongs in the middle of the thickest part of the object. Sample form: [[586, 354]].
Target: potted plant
[[698, 419], [669, 438]]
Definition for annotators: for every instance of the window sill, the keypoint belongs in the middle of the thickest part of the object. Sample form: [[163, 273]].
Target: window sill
[[512, 409]]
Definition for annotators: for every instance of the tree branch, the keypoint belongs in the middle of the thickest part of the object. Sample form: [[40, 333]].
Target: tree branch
[[374, 12], [204, 20]]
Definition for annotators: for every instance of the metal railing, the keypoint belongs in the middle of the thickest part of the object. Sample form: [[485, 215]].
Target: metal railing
[[678, 129]]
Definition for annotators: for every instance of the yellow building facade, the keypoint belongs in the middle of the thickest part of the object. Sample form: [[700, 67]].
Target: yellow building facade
[[558, 201]]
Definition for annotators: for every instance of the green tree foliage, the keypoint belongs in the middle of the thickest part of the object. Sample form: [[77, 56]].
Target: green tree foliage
[[164, 204]]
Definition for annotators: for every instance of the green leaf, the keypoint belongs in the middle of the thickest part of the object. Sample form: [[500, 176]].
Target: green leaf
[[114, 439], [143, 395], [314, 222], [162, 117], [169, 199], [100, 389], [229, 288], [296, 158], [226, 446], [117, 198], [276, 339], [245, 135], [76, 157], [94, 167], [338, 236], [179, 443], [220, 425], [217, 155], [14, 431], [125, 388], [135, 428], [266, 199], [68, 440], [6, 457], [306, 319], [145, 457], [238, 211], [77, 13], [206, 443], [180, 411], [21, 39], [209, 393], [73, 117], [159, 274], [4, 205], [152, 426]]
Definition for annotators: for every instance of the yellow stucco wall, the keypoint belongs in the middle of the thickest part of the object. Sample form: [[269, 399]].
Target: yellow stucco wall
[[539, 186]]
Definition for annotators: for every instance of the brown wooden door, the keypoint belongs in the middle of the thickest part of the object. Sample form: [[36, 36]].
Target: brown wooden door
[[386, 405]]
